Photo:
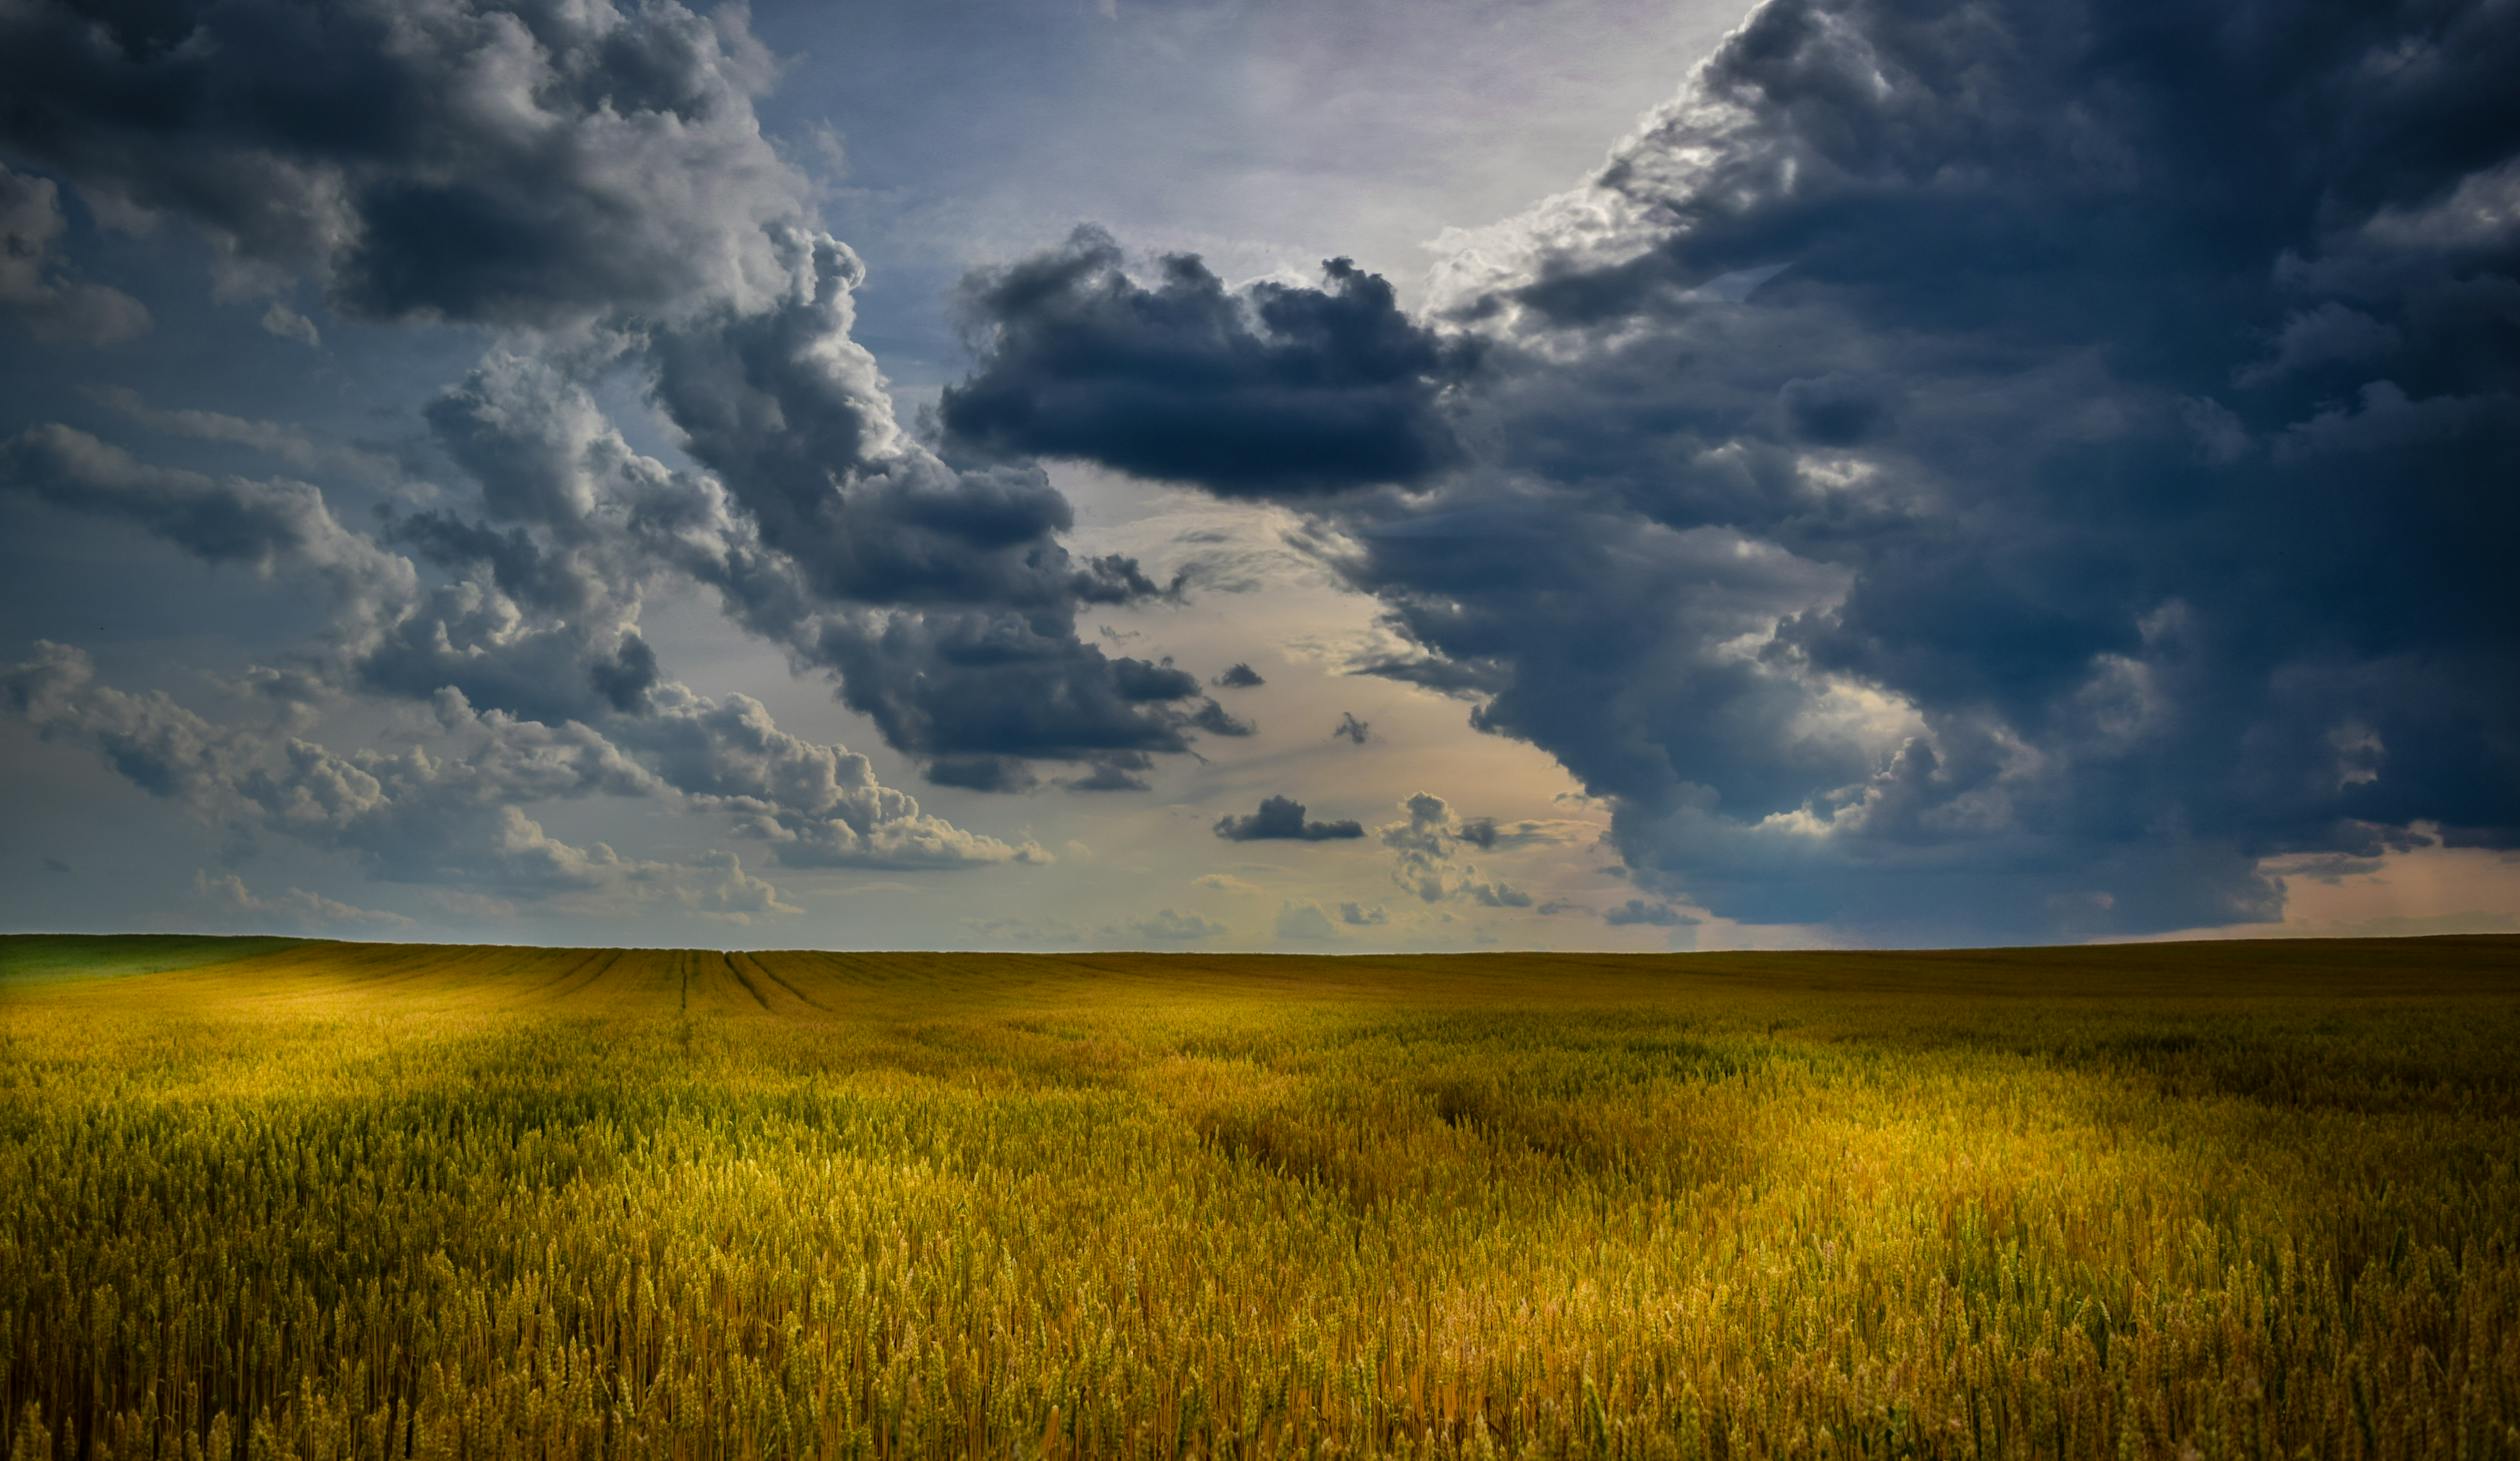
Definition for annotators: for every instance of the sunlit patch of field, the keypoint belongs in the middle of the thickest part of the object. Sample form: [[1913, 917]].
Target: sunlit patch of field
[[313, 1199]]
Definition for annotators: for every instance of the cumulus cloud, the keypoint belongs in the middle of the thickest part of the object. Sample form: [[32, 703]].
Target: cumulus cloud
[[283, 323], [940, 602], [154, 743], [270, 526], [447, 160], [939, 598], [815, 804], [454, 819], [792, 415], [516, 624], [1887, 557], [293, 908], [37, 290], [982, 773], [1303, 922], [1276, 389], [1281, 819], [406, 816], [1648, 913], [1350, 729], [1882, 554], [1163, 927], [1216, 720], [716, 887], [1238, 676], [1428, 845], [595, 181]]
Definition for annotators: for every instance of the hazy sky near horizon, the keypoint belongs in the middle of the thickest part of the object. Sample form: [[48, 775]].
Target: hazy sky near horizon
[[1354, 476]]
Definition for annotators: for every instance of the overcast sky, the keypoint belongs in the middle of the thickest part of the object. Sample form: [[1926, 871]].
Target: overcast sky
[[1327, 476]]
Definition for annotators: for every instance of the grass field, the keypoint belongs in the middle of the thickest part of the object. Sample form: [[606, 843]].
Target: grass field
[[315, 1199]]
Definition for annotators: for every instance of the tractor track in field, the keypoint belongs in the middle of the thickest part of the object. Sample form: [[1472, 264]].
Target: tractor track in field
[[579, 977], [774, 977], [745, 980]]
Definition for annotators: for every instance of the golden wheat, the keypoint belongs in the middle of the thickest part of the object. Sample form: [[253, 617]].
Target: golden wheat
[[340, 1200]]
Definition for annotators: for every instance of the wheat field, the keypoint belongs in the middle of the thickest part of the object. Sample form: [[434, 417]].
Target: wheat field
[[270, 1199]]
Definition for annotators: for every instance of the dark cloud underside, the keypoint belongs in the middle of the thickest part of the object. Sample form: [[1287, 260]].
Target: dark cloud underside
[[1281, 819], [1281, 390]]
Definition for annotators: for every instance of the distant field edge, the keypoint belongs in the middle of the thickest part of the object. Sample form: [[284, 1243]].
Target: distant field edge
[[32, 957]]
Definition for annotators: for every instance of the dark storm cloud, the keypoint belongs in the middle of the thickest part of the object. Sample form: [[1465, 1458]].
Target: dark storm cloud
[[940, 600], [606, 175], [1216, 720], [1238, 676], [595, 184], [792, 415], [2128, 643], [1832, 410], [601, 174], [514, 561], [1653, 915], [840, 520], [1281, 819], [37, 291], [1997, 475], [982, 773], [529, 646], [1281, 389], [513, 163], [1161, 680], [1006, 684]]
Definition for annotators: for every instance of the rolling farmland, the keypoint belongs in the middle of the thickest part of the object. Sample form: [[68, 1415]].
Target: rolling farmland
[[272, 1198]]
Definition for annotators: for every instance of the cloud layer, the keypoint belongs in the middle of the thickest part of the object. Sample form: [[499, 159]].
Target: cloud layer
[[2024, 472], [37, 292], [443, 159], [591, 187], [2010, 472]]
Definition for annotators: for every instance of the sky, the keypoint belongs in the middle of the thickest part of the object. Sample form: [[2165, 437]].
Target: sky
[[1380, 475]]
